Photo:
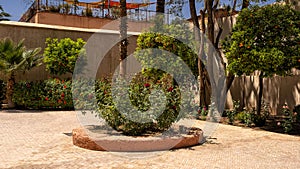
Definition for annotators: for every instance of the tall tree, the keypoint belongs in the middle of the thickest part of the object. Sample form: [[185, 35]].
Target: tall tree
[[3, 14], [123, 37], [160, 6], [15, 58], [264, 39]]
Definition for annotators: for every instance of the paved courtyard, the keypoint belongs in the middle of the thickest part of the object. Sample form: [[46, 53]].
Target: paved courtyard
[[35, 139]]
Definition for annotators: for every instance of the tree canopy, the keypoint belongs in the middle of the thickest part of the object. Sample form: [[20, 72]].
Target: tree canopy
[[60, 56], [266, 39]]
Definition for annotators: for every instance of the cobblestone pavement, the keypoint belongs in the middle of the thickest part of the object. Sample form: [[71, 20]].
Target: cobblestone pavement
[[37, 139]]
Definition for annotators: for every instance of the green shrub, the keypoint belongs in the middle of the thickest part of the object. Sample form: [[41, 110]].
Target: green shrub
[[60, 56], [245, 117], [2, 91], [181, 46], [139, 92], [48, 94], [231, 114], [297, 112]]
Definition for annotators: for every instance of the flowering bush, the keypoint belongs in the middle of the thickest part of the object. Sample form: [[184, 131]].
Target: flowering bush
[[139, 93], [49, 94], [288, 119]]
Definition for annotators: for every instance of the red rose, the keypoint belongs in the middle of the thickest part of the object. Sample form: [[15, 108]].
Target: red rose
[[62, 95], [147, 85], [46, 98], [65, 102], [170, 89], [65, 86]]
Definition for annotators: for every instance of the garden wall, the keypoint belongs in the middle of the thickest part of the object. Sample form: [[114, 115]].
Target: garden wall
[[277, 90], [36, 34]]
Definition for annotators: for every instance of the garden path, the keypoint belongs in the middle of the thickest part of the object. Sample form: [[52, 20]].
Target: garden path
[[35, 139]]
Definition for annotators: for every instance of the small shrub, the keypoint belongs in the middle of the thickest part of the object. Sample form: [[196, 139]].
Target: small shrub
[[48, 94], [288, 119], [245, 117], [60, 56], [297, 112], [203, 112], [231, 114], [260, 119]]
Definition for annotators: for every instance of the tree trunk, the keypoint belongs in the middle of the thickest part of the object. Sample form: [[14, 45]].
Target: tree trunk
[[10, 90], [195, 20], [160, 6], [260, 94], [210, 22], [123, 38], [203, 75], [245, 4]]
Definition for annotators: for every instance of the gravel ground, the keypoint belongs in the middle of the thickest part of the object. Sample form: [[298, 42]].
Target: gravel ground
[[35, 139]]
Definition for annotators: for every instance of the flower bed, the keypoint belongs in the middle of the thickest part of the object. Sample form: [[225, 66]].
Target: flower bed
[[48, 94]]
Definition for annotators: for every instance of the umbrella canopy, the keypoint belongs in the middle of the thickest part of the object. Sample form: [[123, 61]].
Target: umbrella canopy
[[108, 4]]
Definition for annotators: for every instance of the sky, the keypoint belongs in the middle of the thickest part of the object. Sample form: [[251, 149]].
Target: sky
[[17, 7]]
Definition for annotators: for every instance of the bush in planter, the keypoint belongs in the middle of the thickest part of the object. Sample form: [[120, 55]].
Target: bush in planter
[[139, 93], [49, 94]]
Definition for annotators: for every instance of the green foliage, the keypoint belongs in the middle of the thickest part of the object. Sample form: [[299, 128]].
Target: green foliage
[[244, 117], [265, 39], [139, 92], [15, 57], [288, 119], [231, 114], [60, 56], [2, 90], [250, 116], [3, 14], [203, 112], [48, 94], [164, 40], [297, 112]]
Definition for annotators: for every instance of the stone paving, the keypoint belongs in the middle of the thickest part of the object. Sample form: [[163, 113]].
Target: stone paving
[[35, 139]]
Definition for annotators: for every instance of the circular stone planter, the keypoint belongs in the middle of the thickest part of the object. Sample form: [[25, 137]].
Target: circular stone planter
[[83, 138]]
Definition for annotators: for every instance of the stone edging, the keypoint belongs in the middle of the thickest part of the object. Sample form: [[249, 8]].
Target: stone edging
[[141, 144]]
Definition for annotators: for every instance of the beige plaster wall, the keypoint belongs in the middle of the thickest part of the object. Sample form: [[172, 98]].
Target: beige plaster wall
[[85, 22], [36, 34]]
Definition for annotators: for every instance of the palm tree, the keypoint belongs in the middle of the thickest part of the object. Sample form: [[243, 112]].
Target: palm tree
[[15, 58], [3, 14]]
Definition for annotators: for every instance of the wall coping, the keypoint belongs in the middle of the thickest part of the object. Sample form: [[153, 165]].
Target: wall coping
[[65, 28]]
